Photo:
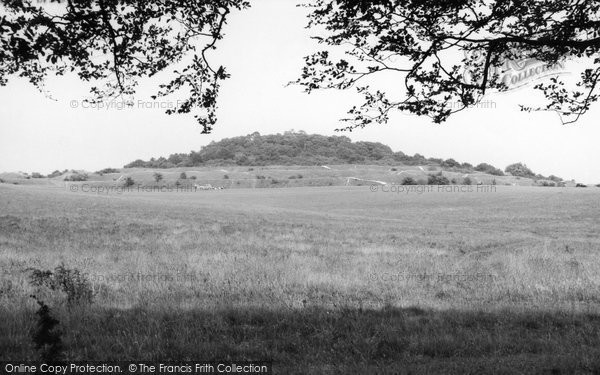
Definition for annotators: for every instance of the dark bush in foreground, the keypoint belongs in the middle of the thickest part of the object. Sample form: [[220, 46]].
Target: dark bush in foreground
[[70, 281], [409, 181]]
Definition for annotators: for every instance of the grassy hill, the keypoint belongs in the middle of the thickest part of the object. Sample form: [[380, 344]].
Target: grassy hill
[[295, 159]]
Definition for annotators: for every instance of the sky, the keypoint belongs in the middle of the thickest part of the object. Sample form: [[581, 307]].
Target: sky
[[263, 49]]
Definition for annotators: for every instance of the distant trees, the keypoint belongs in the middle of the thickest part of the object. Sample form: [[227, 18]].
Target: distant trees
[[299, 148], [520, 170], [292, 148], [57, 173], [282, 149], [489, 169], [450, 163]]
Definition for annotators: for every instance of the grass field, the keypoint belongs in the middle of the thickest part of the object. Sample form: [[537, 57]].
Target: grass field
[[319, 280]]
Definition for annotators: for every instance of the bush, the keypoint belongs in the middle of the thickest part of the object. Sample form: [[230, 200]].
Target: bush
[[519, 169], [77, 177], [107, 171], [409, 181], [129, 182], [158, 177], [183, 176], [226, 177], [56, 173], [437, 180], [394, 169], [260, 177], [467, 181], [36, 175], [193, 177], [70, 281], [489, 169]]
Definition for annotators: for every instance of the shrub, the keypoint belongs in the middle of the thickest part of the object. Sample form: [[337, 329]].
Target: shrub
[[157, 176], [77, 177], [193, 177], [409, 181], [394, 169], [107, 171], [183, 176], [129, 182], [260, 177], [56, 173], [226, 177], [467, 181], [70, 281], [450, 163], [489, 169], [453, 181], [437, 180], [519, 169], [36, 175]]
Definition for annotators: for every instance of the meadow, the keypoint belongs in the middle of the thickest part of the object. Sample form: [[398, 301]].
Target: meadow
[[319, 280]]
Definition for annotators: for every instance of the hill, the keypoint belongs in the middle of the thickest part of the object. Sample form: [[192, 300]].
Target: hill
[[300, 148]]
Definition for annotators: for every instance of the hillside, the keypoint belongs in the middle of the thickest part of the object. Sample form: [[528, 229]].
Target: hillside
[[294, 159], [300, 148]]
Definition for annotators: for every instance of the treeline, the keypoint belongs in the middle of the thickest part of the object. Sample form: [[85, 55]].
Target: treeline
[[299, 148]]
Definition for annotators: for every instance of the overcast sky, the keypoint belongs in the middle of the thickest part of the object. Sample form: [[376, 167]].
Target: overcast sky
[[263, 49]]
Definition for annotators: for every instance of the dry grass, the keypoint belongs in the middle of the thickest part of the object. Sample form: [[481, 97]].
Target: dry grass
[[321, 280]]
